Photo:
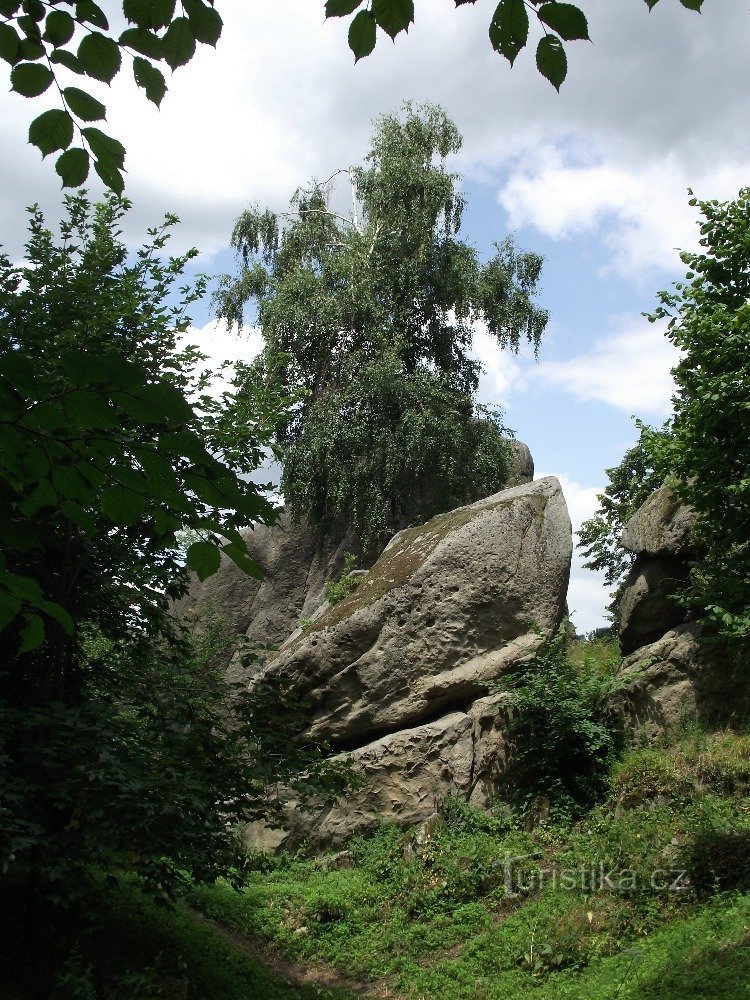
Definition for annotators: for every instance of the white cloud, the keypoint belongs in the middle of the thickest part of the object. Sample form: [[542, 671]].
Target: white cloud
[[280, 99], [629, 369], [640, 212], [502, 372]]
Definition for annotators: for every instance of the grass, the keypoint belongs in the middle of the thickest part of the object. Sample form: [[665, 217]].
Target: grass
[[117, 944], [646, 896]]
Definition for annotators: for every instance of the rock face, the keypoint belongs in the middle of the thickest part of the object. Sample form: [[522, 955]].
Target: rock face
[[671, 673], [397, 674], [659, 535], [296, 567], [676, 678]]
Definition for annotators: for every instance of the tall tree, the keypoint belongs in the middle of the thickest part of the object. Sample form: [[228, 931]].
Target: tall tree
[[367, 321], [707, 453]]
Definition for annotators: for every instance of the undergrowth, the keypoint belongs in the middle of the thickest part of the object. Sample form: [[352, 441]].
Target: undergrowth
[[642, 894]]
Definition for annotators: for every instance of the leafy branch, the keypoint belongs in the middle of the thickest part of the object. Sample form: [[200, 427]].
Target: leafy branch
[[509, 27], [38, 39]]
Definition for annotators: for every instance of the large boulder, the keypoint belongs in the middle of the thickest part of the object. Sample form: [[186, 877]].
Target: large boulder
[[660, 536], [397, 673], [296, 566]]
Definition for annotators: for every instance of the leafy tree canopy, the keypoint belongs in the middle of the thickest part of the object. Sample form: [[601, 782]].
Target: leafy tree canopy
[[121, 747], [707, 452], [367, 320]]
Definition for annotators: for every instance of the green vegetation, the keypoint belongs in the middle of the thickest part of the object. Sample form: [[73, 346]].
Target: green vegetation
[[562, 745], [337, 590], [556, 23], [646, 895], [367, 323], [50, 43], [707, 450]]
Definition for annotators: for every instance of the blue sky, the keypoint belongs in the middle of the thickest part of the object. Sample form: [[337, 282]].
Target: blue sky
[[594, 178]]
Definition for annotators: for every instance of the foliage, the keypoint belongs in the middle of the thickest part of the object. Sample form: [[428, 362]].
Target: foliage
[[367, 322], [558, 22], [631, 483], [103, 456], [120, 744], [337, 590], [707, 452], [562, 745], [48, 42]]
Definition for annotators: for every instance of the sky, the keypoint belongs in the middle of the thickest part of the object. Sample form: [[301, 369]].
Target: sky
[[595, 178]]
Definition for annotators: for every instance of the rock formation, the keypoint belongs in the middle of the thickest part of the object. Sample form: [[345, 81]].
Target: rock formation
[[659, 535], [671, 672], [398, 675]]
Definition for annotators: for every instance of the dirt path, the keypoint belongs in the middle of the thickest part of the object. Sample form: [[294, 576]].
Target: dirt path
[[313, 974]]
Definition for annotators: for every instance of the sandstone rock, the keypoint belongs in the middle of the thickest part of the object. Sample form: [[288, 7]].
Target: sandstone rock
[[396, 676], [296, 568], [449, 606], [406, 775], [521, 469], [674, 679], [659, 533], [646, 608], [661, 526]]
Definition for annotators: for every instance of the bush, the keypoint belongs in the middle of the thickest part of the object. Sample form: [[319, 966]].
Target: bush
[[562, 746]]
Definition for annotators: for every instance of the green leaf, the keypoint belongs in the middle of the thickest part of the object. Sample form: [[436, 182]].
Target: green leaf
[[692, 4], [143, 41], [566, 19], [10, 44], [90, 409], [67, 59], [43, 496], [393, 16], [70, 484], [35, 9], [73, 167], [18, 368], [83, 105], [237, 552], [99, 56], [103, 146], [9, 607], [32, 635], [8, 8], [178, 44], [51, 131], [651, 4], [59, 27], [204, 558], [341, 8], [59, 614], [75, 513], [150, 78], [30, 79], [551, 60], [509, 29], [204, 20], [31, 49], [122, 505], [87, 10], [110, 175], [362, 35], [149, 13]]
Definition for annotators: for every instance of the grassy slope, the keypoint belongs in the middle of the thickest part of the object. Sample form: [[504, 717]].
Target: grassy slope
[[432, 917]]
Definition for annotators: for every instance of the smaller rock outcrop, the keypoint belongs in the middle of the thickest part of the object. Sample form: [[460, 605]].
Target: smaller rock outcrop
[[677, 678], [660, 536]]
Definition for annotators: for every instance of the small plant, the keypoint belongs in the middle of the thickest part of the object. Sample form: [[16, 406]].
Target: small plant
[[646, 774], [337, 590], [305, 623]]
